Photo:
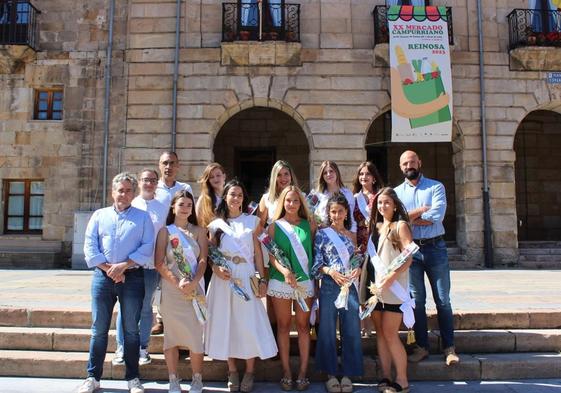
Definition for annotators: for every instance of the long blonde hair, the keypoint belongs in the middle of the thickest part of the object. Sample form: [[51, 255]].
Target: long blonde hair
[[303, 211], [274, 192], [207, 200]]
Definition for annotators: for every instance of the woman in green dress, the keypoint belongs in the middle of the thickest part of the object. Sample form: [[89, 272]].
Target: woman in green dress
[[294, 233]]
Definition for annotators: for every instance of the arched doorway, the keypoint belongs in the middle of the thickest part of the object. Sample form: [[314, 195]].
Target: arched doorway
[[250, 142], [436, 159], [538, 177]]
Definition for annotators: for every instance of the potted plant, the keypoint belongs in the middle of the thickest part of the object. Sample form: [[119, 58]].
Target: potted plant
[[244, 35], [531, 38]]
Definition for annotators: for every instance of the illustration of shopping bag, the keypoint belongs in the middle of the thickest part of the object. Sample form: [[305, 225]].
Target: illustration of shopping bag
[[425, 91]]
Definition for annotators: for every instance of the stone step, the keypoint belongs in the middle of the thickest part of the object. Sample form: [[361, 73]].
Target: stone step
[[539, 244], [540, 251], [463, 320], [471, 367], [467, 341]]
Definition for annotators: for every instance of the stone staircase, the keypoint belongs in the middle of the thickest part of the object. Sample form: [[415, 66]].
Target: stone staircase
[[507, 345], [30, 252], [539, 255]]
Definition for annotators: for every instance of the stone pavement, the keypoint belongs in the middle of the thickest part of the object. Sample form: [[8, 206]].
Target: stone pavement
[[472, 290], [48, 385]]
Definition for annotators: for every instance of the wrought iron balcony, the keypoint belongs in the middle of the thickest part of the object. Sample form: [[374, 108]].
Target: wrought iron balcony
[[18, 23], [266, 21], [534, 28], [381, 32]]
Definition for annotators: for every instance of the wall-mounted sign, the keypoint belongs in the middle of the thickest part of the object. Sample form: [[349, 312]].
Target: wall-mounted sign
[[421, 77], [554, 77]]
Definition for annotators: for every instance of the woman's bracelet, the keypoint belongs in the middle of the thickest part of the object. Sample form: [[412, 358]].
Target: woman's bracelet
[[329, 269], [263, 280]]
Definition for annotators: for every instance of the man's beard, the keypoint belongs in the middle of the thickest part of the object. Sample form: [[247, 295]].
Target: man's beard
[[411, 174]]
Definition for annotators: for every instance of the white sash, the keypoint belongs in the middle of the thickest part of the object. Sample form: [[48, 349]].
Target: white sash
[[408, 304], [339, 246], [188, 252], [363, 206], [296, 244], [227, 229]]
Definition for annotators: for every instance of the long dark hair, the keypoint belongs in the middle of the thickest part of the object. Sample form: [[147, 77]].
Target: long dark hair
[[222, 209], [171, 215], [378, 182], [400, 214], [339, 199]]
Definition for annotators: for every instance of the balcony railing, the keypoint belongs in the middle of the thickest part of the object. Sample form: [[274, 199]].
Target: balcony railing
[[534, 27], [252, 22], [381, 32], [18, 23]]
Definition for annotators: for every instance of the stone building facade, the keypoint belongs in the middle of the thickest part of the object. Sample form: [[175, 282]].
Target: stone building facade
[[248, 103]]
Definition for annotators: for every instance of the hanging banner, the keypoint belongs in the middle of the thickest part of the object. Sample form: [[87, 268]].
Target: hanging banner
[[421, 77]]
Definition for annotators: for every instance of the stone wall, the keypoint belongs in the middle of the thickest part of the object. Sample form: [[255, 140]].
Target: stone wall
[[332, 86]]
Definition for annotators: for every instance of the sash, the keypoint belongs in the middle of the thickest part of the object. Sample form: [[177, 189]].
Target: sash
[[408, 304], [295, 244], [339, 246], [363, 206], [227, 229], [188, 252]]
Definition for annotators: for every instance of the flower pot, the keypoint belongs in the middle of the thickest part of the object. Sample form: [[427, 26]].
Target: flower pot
[[244, 35]]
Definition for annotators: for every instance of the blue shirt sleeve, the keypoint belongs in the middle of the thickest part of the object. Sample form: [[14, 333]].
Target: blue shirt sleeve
[[319, 255], [143, 254], [438, 205], [92, 248]]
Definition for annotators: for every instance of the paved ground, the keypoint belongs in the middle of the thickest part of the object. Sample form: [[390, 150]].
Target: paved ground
[[44, 385], [472, 290]]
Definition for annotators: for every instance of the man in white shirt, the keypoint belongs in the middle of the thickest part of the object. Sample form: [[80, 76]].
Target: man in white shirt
[[166, 189], [146, 201]]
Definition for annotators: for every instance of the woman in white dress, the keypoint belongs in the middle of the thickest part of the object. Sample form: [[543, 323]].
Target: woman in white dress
[[180, 246], [237, 329], [329, 183], [282, 175]]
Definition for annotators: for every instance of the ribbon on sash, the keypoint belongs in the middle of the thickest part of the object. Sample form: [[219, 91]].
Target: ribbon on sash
[[188, 252], [408, 304], [296, 245], [227, 229], [365, 210], [343, 297]]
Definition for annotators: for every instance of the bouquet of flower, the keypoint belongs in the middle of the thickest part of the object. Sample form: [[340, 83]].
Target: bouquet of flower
[[342, 300], [220, 260], [395, 264], [279, 255], [312, 199], [185, 271]]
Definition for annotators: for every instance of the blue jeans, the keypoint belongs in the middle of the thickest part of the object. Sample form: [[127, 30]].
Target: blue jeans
[[432, 260], [151, 278], [104, 296], [349, 324]]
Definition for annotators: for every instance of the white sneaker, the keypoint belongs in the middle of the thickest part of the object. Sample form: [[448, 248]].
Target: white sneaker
[[135, 386], [196, 384], [174, 386], [89, 385], [118, 358], [144, 357]]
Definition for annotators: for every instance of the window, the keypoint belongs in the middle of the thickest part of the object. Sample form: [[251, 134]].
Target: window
[[48, 104], [23, 206]]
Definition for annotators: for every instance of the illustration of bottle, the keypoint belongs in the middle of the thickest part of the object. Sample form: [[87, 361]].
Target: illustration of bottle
[[404, 68], [426, 69]]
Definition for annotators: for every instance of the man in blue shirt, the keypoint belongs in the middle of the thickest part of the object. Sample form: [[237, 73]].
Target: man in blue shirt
[[119, 241], [425, 201]]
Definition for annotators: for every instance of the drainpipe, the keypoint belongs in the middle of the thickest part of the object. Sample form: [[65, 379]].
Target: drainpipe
[[175, 75], [106, 108], [487, 230]]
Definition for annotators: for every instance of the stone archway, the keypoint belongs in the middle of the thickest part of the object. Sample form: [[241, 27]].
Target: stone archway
[[250, 141], [537, 145], [437, 159]]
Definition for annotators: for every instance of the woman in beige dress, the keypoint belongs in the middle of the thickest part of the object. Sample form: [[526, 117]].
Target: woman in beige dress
[[184, 242]]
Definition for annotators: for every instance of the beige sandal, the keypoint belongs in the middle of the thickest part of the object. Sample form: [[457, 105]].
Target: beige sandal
[[247, 383], [233, 381], [332, 385], [346, 385]]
